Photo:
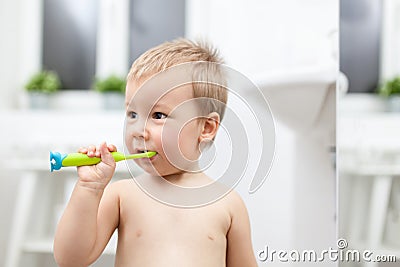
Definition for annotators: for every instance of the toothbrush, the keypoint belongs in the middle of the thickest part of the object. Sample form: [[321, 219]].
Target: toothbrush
[[58, 160]]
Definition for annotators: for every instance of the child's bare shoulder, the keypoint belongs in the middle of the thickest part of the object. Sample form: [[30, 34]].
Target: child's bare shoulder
[[233, 203], [234, 197], [122, 182], [121, 187]]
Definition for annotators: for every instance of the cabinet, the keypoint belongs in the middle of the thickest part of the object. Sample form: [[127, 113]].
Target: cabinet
[[369, 182], [42, 195]]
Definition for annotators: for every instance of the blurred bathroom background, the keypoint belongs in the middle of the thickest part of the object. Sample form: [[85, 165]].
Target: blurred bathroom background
[[368, 130], [289, 48]]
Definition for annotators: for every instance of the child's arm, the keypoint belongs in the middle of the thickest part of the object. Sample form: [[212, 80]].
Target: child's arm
[[239, 247], [91, 216]]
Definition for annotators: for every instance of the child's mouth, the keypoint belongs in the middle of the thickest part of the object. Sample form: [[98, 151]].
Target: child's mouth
[[144, 151], [140, 151]]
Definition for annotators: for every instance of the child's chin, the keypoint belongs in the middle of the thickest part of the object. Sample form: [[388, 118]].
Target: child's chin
[[152, 171]]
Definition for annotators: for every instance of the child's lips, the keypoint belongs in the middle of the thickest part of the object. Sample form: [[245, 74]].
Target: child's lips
[[140, 151]]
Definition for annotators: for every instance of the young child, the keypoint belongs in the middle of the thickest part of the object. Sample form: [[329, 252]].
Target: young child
[[151, 233]]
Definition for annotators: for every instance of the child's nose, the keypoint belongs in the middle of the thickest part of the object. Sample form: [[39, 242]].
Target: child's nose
[[140, 130]]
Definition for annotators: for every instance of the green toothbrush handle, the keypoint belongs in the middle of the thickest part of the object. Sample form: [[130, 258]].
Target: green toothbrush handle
[[58, 160], [80, 159]]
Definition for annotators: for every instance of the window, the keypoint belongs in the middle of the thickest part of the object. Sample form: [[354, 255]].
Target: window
[[360, 33], [70, 34]]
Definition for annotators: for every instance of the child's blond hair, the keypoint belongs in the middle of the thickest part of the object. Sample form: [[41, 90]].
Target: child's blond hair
[[182, 50]]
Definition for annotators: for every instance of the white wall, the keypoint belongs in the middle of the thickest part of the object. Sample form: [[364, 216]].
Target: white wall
[[390, 65], [20, 28], [262, 35], [9, 24], [112, 38], [20, 48]]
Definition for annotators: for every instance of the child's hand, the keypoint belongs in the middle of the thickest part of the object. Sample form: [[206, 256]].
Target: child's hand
[[99, 175]]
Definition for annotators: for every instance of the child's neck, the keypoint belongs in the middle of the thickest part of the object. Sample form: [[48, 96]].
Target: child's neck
[[188, 179]]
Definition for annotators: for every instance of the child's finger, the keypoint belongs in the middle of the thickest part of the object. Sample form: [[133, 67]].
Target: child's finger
[[106, 156], [97, 152], [82, 150], [91, 150], [112, 148]]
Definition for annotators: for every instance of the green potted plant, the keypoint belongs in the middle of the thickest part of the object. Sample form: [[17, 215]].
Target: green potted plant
[[391, 90], [113, 88], [40, 86]]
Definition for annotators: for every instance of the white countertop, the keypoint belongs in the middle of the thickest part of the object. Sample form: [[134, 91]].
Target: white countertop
[[368, 137]]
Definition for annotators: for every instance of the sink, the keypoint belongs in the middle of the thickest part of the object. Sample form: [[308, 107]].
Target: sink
[[303, 99]]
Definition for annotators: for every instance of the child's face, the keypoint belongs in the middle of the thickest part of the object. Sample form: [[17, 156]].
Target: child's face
[[169, 126]]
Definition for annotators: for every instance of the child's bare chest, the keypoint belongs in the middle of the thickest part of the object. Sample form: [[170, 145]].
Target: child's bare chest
[[196, 234], [154, 219]]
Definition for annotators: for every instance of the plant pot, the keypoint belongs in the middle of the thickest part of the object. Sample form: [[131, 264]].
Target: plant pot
[[113, 101], [393, 103], [38, 100]]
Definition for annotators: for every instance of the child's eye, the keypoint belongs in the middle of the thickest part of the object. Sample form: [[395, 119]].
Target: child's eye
[[159, 115], [132, 115]]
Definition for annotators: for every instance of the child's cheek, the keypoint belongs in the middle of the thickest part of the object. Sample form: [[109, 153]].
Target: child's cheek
[[157, 141], [170, 143], [128, 141], [187, 143]]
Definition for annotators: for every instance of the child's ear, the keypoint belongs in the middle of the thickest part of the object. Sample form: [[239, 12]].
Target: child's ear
[[209, 127]]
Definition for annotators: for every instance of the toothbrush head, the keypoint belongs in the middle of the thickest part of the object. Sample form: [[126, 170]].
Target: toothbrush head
[[55, 161]]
